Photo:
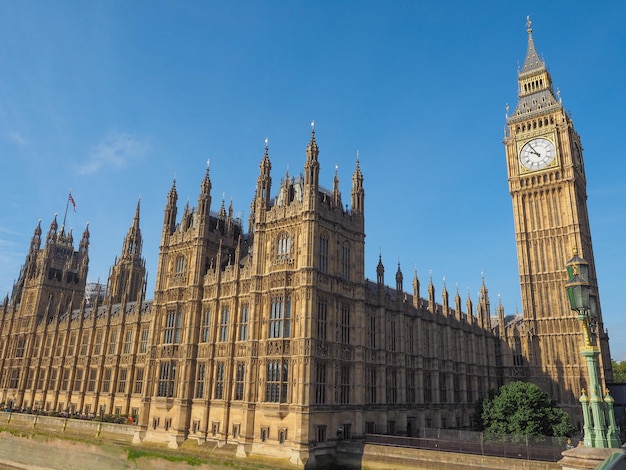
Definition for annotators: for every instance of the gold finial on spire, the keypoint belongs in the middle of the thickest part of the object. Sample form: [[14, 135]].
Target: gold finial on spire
[[529, 24]]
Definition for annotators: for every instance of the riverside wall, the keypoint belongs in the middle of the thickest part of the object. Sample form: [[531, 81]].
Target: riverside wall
[[27, 452]]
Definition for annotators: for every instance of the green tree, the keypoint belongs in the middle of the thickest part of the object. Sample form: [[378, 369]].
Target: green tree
[[619, 371], [521, 408]]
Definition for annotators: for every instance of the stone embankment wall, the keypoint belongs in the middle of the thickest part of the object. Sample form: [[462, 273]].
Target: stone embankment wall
[[42, 452], [380, 457]]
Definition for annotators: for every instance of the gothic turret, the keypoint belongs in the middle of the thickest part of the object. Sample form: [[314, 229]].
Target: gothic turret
[[169, 219], [52, 231], [311, 166], [204, 203], [399, 281], [127, 276], [457, 304], [416, 290], [380, 272], [469, 307], [445, 299], [432, 306], [484, 309], [336, 192], [264, 181], [358, 194]]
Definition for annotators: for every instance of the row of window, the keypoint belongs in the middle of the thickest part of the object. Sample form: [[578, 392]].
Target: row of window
[[58, 347], [342, 334], [277, 378], [344, 258], [279, 327], [62, 379]]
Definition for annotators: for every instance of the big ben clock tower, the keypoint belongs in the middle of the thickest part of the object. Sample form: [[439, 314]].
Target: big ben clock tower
[[548, 186]]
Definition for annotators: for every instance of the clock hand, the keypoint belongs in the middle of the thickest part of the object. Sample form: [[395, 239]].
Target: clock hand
[[533, 150]]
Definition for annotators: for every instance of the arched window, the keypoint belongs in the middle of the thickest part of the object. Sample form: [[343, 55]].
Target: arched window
[[324, 253], [180, 265], [284, 245], [345, 261]]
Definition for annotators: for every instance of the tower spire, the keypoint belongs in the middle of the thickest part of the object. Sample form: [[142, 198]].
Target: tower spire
[[532, 61]]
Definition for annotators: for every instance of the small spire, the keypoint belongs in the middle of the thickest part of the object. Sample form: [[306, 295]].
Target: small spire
[[532, 61], [137, 210]]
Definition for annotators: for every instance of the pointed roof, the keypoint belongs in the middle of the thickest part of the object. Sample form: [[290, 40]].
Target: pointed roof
[[532, 63], [136, 217]]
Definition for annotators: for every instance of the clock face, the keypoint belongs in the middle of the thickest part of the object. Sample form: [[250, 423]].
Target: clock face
[[537, 154]]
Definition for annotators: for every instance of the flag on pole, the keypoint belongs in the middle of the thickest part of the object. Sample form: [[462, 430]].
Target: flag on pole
[[71, 199]]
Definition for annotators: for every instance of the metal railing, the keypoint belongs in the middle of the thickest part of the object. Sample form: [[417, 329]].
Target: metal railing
[[544, 448]]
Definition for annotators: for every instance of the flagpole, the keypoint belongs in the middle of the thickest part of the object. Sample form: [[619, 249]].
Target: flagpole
[[67, 204]]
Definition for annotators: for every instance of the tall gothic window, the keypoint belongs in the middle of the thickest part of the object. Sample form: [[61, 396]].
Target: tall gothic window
[[19, 350], [371, 332], [128, 343], [428, 388], [59, 348], [219, 381], [344, 384], [284, 246], [84, 344], [200, 373], [224, 325], [138, 380], [71, 346], [143, 347], [392, 385], [324, 254], [280, 317], [240, 380], [320, 383], [443, 388], [243, 322], [173, 324], [276, 383], [410, 386], [167, 379], [113, 342], [180, 265], [78, 380], [392, 334], [322, 317], [204, 326], [121, 383], [345, 262], [371, 384], [91, 384], [457, 388], [344, 325], [106, 383], [98, 346]]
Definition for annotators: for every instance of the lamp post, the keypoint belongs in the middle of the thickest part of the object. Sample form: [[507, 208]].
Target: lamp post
[[596, 408]]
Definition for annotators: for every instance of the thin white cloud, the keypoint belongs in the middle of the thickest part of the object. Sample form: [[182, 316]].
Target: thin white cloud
[[18, 138], [115, 150]]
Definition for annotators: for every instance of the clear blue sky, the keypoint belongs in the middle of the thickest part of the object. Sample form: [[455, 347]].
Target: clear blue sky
[[114, 98]]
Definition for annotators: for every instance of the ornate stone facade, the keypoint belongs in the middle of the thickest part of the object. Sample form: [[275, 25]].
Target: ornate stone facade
[[547, 182], [272, 338]]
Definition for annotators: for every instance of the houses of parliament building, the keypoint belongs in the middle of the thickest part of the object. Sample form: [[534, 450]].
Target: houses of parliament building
[[274, 340]]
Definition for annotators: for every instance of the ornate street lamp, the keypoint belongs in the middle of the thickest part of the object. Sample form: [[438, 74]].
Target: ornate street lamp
[[596, 408]]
